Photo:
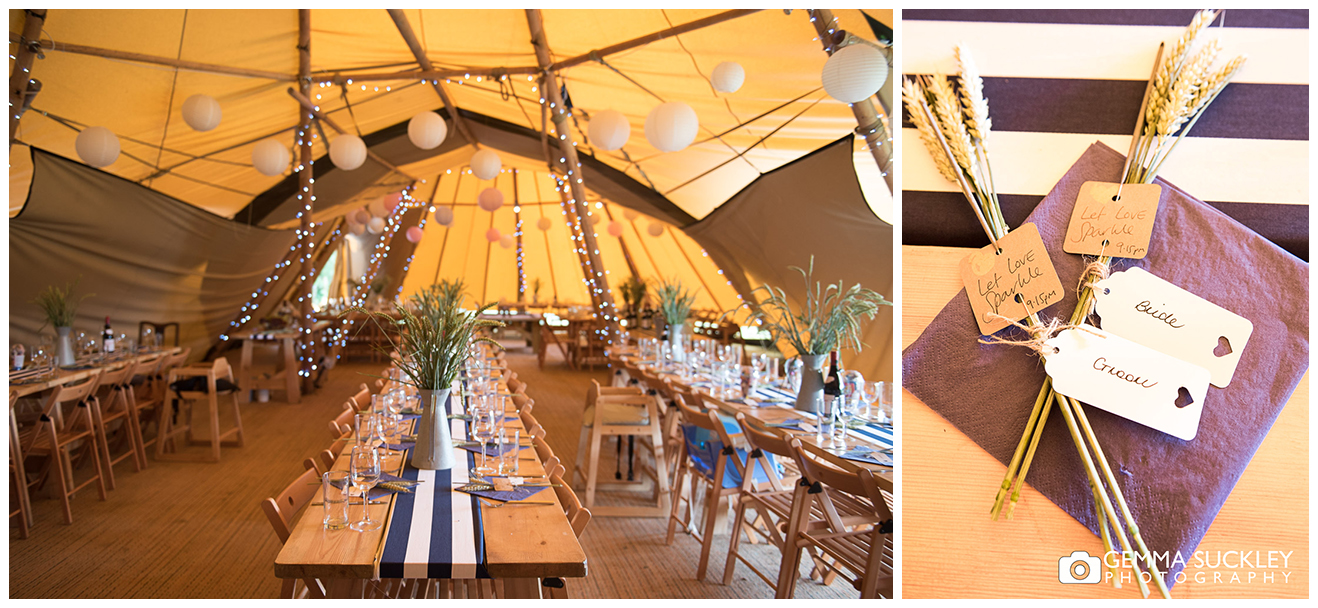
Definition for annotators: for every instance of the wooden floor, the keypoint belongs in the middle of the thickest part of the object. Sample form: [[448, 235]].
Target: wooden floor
[[195, 530]]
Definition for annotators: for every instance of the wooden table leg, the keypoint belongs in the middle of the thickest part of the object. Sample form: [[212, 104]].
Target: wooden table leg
[[245, 372], [521, 588], [290, 371]]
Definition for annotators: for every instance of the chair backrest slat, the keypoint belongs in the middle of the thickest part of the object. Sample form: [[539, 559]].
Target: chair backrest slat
[[281, 509]]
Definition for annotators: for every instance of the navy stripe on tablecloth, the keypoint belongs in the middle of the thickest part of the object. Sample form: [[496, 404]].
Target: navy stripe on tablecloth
[[1244, 110], [943, 219], [1290, 19], [440, 558]]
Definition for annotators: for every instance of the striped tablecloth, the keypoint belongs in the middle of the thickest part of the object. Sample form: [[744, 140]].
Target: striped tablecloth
[[1057, 81], [436, 532], [882, 434]]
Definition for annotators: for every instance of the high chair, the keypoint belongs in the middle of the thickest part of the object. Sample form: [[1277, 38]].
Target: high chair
[[621, 412], [218, 380]]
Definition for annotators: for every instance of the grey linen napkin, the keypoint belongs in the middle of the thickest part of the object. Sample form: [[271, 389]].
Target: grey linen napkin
[[1174, 487]]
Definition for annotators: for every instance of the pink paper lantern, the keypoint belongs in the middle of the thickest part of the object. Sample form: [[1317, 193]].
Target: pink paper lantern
[[414, 234], [361, 216], [490, 199], [392, 201], [492, 235], [615, 229]]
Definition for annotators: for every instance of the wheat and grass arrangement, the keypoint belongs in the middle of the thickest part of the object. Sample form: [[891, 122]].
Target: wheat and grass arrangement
[[59, 304], [433, 341], [829, 320], [675, 301]]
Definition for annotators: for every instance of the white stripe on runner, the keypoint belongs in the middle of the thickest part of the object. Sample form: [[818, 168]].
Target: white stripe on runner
[[464, 541], [1262, 171], [1103, 52], [417, 559]]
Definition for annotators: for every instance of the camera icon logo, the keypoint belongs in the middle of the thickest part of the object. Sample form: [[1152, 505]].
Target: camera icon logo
[[1078, 568]]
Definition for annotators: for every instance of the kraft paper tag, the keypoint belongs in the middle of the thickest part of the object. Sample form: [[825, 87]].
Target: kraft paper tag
[[994, 279], [1103, 225], [502, 484], [1138, 305], [1132, 381]]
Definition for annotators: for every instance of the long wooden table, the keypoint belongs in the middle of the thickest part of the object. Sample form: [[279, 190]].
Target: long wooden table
[[66, 376], [522, 544], [950, 547]]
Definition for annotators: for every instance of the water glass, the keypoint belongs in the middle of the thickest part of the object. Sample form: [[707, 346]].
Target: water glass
[[364, 466], [509, 451], [367, 428], [334, 491], [793, 369]]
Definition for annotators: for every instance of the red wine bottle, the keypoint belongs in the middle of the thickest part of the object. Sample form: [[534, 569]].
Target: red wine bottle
[[107, 338]]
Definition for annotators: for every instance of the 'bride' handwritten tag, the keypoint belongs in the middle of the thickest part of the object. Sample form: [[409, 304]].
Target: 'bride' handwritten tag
[[995, 279], [1138, 305], [1102, 224], [1132, 381]]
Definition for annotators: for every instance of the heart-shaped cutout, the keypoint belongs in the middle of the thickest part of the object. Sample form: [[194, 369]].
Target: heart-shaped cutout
[[1223, 347], [1183, 398]]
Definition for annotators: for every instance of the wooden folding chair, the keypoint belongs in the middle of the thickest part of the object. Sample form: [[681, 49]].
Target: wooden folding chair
[[579, 517], [18, 476], [619, 413], [216, 372], [708, 454], [280, 511], [856, 528], [150, 394], [55, 436], [362, 400], [772, 506], [115, 394]]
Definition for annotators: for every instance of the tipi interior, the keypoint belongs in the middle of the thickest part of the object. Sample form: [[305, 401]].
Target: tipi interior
[[222, 186]]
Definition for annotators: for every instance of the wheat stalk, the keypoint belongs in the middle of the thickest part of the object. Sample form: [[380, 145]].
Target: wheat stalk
[[915, 98], [948, 113], [1171, 65], [972, 97]]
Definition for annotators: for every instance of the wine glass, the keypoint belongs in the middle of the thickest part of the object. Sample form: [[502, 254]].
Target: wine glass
[[148, 338], [793, 369], [364, 466], [870, 392], [484, 426]]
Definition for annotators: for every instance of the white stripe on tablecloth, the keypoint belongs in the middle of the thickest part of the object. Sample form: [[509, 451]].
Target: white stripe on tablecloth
[[418, 540], [1262, 171], [1104, 52], [464, 541]]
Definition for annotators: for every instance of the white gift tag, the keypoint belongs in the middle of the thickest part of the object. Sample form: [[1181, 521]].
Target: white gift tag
[[1132, 381], [1138, 305]]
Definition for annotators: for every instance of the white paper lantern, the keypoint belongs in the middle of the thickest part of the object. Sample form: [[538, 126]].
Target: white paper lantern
[[444, 215], [377, 208], [671, 126], [414, 234], [506, 241], [544, 224], [727, 77], [360, 216], [630, 214], [615, 228], [492, 235], [357, 229], [485, 164], [270, 157], [655, 229], [490, 199], [97, 146], [376, 225], [427, 130], [609, 130], [854, 73], [347, 152], [201, 112]]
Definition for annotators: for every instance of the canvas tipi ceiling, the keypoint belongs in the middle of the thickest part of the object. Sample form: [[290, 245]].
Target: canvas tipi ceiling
[[780, 114]]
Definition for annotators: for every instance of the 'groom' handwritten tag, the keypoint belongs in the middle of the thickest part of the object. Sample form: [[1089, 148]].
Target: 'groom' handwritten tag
[[1013, 282], [1138, 305], [1132, 381], [1103, 224]]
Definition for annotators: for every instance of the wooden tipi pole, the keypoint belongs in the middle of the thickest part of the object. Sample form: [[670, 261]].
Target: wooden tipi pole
[[24, 57], [872, 126], [597, 282], [305, 196]]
